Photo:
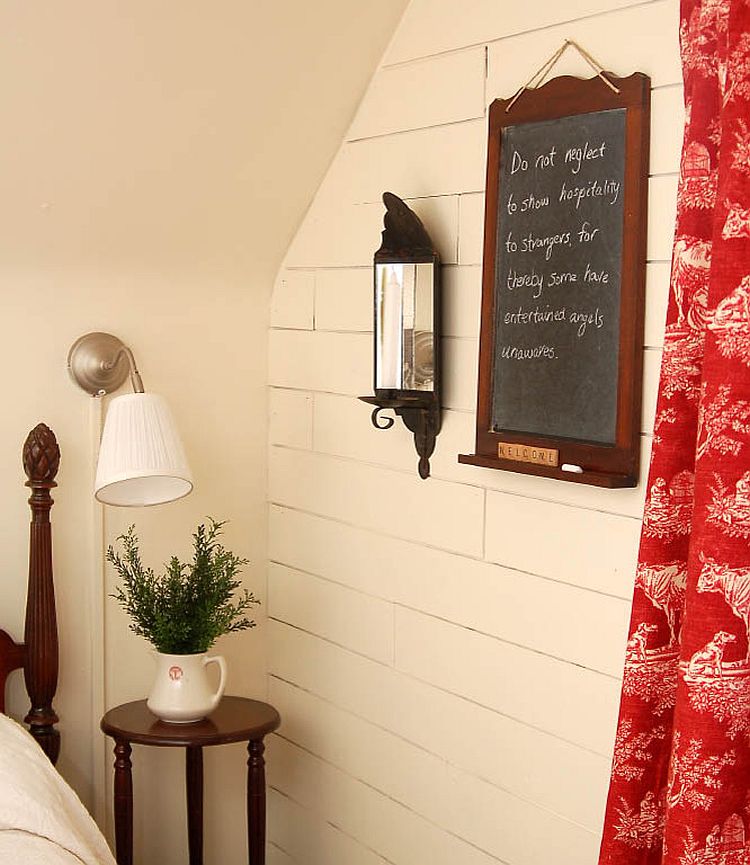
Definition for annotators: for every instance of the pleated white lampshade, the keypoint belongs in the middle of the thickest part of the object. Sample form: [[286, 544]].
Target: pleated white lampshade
[[141, 459]]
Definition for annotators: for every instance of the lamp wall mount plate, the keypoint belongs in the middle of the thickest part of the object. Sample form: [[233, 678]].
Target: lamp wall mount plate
[[100, 363]]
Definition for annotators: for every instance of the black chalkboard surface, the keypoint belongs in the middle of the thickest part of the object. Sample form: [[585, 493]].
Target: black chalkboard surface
[[557, 289], [561, 342]]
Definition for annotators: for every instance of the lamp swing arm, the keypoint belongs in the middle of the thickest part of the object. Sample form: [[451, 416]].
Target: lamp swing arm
[[135, 377]]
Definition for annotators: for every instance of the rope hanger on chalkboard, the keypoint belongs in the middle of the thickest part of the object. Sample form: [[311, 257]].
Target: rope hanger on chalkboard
[[538, 77]]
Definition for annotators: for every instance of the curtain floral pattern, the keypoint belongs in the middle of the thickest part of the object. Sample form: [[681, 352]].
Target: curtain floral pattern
[[680, 786]]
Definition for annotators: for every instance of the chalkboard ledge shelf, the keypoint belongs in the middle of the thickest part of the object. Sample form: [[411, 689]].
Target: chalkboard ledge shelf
[[593, 478]]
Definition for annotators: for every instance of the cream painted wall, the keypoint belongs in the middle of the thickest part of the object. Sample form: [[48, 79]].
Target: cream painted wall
[[156, 160], [446, 654], [223, 429]]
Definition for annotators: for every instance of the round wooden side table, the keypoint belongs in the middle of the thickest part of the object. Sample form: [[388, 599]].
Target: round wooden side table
[[236, 719]]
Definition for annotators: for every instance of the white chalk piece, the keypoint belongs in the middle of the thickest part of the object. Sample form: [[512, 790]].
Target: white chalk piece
[[569, 467]]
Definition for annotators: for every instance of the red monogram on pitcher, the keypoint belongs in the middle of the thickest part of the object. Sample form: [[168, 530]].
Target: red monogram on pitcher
[[175, 673]]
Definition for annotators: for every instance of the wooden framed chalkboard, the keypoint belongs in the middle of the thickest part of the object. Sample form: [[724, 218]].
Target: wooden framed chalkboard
[[561, 342]]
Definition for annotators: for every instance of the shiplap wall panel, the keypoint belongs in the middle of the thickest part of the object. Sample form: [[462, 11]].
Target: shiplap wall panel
[[642, 38], [429, 92], [528, 762], [657, 297], [432, 26], [444, 515], [350, 619], [275, 855], [343, 299], [342, 427], [446, 654], [441, 214], [314, 360], [516, 607], [586, 548], [462, 294], [293, 300], [445, 795], [309, 841], [667, 122], [412, 164], [662, 209], [290, 420], [651, 370], [519, 835], [471, 228], [460, 373], [335, 237], [342, 236], [576, 704], [403, 836]]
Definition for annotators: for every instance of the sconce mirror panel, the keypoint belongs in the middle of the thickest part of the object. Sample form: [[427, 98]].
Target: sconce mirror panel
[[404, 311]]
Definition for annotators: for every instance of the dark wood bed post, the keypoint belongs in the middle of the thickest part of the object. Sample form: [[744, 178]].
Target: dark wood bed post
[[41, 460]]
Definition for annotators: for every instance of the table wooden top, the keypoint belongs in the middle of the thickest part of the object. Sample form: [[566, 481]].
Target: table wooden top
[[235, 719]]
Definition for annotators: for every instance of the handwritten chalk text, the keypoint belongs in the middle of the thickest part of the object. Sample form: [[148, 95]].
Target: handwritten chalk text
[[593, 189], [578, 155], [514, 352]]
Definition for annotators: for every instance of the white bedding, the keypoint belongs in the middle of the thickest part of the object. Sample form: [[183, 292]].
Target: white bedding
[[42, 821]]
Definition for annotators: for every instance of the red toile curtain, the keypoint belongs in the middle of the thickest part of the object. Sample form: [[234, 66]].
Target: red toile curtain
[[680, 788]]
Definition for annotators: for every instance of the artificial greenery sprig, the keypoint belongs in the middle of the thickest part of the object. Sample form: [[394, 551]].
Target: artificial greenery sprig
[[184, 610]]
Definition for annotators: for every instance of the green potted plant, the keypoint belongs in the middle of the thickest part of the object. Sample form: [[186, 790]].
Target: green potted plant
[[181, 613]]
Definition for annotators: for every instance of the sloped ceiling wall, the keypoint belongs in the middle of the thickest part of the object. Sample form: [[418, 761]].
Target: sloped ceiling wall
[[175, 135], [156, 158]]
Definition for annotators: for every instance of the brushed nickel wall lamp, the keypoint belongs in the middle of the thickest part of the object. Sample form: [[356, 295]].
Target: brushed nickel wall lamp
[[141, 458], [407, 329]]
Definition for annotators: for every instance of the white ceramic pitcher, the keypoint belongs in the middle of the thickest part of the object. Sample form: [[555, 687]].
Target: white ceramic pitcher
[[182, 692]]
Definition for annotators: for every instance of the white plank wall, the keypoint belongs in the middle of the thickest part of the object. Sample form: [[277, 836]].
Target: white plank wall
[[446, 655]]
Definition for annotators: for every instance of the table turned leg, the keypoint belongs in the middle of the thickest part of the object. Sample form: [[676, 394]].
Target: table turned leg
[[256, 803], [194, 785], [123, 803]]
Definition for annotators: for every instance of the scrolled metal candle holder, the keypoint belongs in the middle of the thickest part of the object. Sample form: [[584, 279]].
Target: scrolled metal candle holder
[[407, 329]]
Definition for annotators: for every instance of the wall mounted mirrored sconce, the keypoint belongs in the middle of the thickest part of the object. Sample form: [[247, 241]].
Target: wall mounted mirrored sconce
[[141, 458], [407, 329]]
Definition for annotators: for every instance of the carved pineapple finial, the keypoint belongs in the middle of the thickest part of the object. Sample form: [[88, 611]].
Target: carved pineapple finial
[[41, 455]]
